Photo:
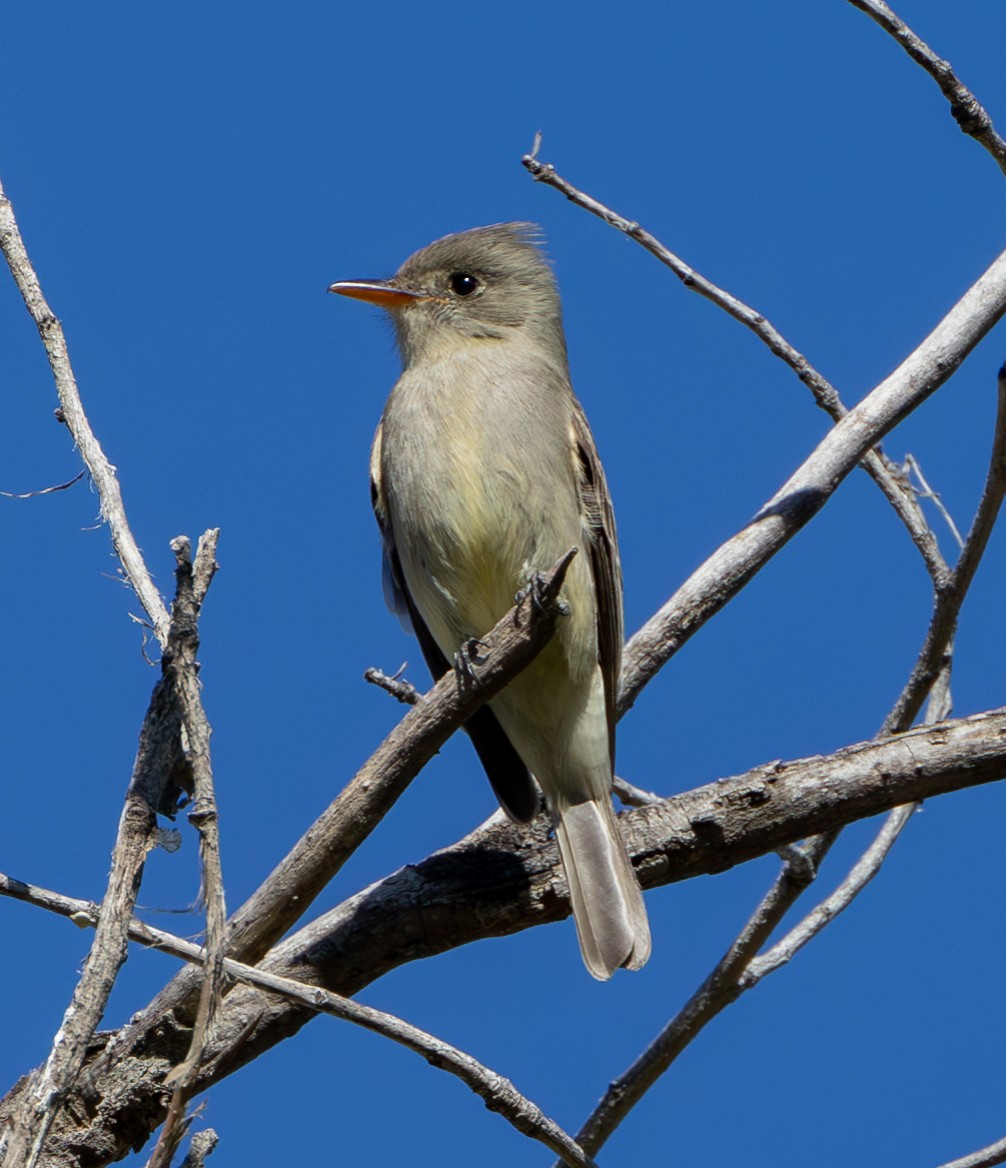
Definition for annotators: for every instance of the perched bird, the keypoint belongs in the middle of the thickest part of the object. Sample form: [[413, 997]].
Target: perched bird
[[483, 473]]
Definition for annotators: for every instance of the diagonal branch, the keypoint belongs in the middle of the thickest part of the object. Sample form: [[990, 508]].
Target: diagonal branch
[[851, 440], [950, 597], [968, 112], [984, 1158], [499, 1093], [502, 879], [101, 470], [729, 568], [721, 988], [932, 665], [740, 969], [880, 468], [291, 888]]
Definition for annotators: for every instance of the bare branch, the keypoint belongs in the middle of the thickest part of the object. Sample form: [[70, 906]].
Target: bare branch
[[864, 870], [724, 985], [292, 886], [158, 759], [504, 878], [950, 597], [925, 491], [740, 969], [931, 676], [884, 472], [402, 691], [633, 796], [101, 470], [290, 889], [182, 668], [985, 1158], [499, 1093], [730, 567], [44, 490], [721, 987], [968, 112], [202, 1145]]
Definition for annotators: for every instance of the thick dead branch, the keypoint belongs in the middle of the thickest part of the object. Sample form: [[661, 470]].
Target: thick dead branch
[[504, 878], [182, 667], [499, 1093], [292, 886]]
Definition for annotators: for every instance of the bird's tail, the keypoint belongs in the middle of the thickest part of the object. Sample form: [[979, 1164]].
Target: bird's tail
[[608, 906]]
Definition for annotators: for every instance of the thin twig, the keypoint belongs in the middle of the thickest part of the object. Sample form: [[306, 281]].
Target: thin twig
[[863, 871], [101, 470], [723, 984], [44, 490], [968, 112], [925, 491], [719, 989], [930, 676], [950, 597], [402, 691], [632, 796], [865, 868], [499, 1093], [881, 469]]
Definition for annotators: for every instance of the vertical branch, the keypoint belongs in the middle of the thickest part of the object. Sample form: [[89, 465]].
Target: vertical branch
[[950, 593], [174, 713], [113, 510], [182, 667]]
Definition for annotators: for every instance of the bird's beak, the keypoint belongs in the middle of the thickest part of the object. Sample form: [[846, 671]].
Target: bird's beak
[[378, 292]]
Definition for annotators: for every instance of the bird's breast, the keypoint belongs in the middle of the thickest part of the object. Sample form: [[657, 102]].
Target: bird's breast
[[478, 478]]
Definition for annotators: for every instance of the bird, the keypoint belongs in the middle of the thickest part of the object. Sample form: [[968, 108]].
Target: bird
[[484, 472]]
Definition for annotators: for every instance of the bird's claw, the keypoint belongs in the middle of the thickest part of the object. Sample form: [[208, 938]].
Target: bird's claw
[[534, 591], [465, 660]]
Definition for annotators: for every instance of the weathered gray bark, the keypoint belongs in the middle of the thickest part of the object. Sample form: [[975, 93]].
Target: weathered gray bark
[[499, 880]]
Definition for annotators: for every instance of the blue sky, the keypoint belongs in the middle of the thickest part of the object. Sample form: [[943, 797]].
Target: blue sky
[[189, 180]]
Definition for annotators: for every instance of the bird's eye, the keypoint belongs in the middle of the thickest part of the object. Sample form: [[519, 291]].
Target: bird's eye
[[463, 283]]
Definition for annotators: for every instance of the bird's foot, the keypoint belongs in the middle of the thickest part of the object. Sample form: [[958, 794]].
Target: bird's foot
[[535, 591], [465, 660]]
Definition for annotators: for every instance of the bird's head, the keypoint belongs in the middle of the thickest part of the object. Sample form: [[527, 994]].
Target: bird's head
[[485, 285]]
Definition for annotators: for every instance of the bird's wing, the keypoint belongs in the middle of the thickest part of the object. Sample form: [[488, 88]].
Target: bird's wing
[[511, 780], [392, 580], [599, 525]]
